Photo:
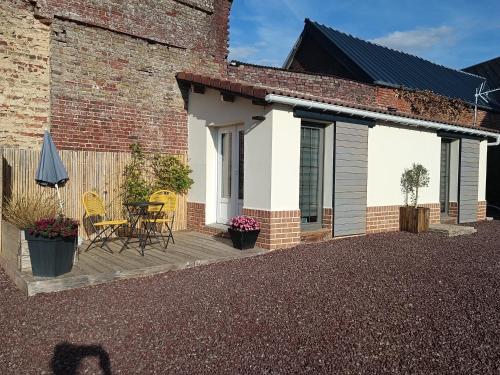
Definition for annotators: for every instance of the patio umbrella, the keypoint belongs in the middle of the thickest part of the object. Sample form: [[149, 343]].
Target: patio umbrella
[[51, 171]]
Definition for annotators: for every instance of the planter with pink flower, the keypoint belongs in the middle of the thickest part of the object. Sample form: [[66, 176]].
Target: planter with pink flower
[[52, 244], [244, 232]]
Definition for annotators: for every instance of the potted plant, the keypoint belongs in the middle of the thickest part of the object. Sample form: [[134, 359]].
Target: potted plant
[[22, 212], [52, 244], [244, 231], [412, 218]]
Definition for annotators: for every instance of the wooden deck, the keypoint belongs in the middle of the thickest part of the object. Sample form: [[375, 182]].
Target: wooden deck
[[98, 266]]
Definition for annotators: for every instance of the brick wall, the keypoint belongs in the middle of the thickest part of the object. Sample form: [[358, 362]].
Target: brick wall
[[110, 90], [328, 218], [196, 221], [357, 93], [481, 211], [197, 25], [386, 218], [278, 229], [112, 69], [453, 209], [24, 72], [315, 84]]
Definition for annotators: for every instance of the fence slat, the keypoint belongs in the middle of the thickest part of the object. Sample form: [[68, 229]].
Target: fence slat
[[87, 170]]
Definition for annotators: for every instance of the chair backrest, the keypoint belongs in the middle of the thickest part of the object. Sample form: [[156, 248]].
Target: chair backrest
[[93, 204], [168, 198]]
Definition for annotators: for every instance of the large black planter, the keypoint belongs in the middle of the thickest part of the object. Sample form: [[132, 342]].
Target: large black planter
[[51, 257], [243, 240]]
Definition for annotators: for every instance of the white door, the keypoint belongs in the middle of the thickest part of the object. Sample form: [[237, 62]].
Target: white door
[[230, 173]]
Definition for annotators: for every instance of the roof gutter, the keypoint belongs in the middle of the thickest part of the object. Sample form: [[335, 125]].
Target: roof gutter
[[310, 104]]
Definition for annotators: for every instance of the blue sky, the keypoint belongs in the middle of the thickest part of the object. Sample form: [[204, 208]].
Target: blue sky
[[452, 33]]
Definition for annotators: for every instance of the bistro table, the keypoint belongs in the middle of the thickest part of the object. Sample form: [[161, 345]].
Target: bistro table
[[138, 211]]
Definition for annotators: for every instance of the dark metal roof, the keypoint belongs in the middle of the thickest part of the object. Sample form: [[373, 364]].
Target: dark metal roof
[[389, 67], [259, 92], [491, 71]]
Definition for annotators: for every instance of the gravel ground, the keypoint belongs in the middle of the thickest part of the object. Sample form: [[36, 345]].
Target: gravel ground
[[391, 303]]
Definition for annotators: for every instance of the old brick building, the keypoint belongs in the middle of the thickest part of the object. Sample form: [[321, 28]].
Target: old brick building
[[101, 74]]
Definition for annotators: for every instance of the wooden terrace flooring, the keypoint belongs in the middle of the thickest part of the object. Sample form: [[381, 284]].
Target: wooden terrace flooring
[[97, 266]]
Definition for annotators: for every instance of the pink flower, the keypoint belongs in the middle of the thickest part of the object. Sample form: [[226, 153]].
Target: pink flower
[[244, 223]]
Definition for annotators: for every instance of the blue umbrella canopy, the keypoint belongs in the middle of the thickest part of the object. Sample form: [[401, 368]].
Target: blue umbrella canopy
[[51, 171]]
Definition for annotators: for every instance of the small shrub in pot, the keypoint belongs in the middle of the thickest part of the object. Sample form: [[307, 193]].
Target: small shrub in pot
[[413, 218], [244, 232]]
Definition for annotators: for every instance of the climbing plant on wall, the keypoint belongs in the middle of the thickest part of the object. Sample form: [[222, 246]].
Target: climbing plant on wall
[[146, 173], [429, 104]]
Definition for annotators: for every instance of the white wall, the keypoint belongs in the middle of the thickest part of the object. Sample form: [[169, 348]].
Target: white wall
[[285, 169], [391, 149], [483, 156], [258, 166], [272, 152], [206, 113]]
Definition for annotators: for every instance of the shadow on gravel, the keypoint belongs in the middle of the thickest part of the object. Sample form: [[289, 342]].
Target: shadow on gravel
[[67, 358]]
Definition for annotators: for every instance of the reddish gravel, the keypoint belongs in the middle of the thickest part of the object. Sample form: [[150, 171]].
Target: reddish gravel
[[394, 303]]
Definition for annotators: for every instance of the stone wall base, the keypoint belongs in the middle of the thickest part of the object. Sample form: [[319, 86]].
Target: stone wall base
[[281, 229], [386, 218], [196, 221], [278, 229], [328, 218], [481, 211], [453, 209]]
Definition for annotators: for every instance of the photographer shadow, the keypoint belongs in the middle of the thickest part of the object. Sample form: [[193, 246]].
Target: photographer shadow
[[68, 357]]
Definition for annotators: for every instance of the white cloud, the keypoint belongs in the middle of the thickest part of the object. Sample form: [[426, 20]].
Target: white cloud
[[418, 40], [270, 46], [242, 52], [274, 29]]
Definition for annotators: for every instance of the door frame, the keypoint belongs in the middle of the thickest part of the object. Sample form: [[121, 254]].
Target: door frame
[[447, 142], [321, 173], [234, 200]]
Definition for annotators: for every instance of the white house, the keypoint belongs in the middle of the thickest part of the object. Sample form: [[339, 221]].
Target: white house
[[301, 165]]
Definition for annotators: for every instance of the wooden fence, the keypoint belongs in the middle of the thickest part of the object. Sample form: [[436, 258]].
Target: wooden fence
[[87, 170]]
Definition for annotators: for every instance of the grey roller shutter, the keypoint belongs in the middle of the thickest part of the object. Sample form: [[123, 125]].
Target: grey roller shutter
[[469, 179], [351, 174]]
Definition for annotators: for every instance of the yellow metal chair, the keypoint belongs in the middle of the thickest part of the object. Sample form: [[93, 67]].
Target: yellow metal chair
[[164, 215], [96, 213]]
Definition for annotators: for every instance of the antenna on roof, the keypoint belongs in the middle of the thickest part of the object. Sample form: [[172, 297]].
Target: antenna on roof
[[483, 95]]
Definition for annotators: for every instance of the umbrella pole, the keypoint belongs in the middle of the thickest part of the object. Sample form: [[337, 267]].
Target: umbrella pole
[[59, 198]]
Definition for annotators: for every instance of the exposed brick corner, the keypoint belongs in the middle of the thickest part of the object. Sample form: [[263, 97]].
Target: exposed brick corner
[[481, 211], [278, 229], [453, 209], [328, 218]]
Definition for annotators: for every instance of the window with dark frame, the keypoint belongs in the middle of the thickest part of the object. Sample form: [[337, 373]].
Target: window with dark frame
[[311, 174]]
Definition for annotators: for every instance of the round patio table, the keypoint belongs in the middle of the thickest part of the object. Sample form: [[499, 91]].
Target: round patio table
[[138, 211]]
